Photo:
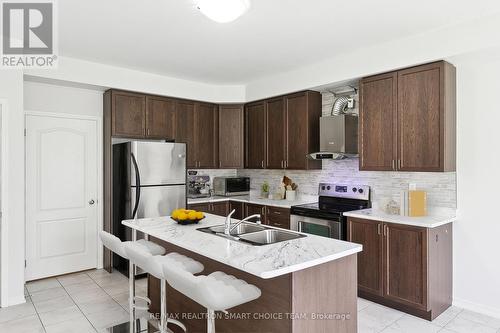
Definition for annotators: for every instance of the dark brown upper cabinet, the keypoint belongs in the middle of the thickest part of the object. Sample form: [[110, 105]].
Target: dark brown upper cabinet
[[160, 118], [408, 119], [231, 136], [197, 125], [303, 111], [206, 135], [255, 136], [185, 130], [281, 131], [128, 114], [378, 122], [275, 133]]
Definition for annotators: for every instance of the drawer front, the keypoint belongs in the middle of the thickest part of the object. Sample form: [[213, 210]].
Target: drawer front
[[278, 217]]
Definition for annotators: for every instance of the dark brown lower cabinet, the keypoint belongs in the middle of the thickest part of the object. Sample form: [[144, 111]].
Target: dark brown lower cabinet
[[278, 217], [216, 208], [239, 208], [405, 267], [251, 209]]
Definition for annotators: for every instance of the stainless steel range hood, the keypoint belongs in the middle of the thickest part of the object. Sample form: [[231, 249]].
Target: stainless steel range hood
[[338, 137]]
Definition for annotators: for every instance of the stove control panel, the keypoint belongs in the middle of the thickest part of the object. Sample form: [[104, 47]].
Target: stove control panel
[[361, 192]]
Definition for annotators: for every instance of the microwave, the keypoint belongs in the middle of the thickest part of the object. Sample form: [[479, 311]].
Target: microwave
[[231, 186]]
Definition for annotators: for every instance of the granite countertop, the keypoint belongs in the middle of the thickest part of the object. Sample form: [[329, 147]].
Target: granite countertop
[[256, 200], [432, 221], [265, 261]]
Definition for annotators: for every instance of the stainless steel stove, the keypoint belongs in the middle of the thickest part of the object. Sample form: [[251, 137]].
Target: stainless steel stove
[[325, 217]]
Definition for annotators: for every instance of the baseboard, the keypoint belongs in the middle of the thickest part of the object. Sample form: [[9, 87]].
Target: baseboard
[[480, 308]]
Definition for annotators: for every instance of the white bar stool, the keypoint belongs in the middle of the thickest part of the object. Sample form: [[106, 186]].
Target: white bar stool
[[114, 244], [154, 266], [216, 292]]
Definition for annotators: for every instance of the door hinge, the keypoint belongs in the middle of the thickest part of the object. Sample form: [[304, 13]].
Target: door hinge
[[25, 132], [24, 263]]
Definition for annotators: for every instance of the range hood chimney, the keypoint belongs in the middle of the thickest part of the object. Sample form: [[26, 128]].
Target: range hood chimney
[[338, 137]]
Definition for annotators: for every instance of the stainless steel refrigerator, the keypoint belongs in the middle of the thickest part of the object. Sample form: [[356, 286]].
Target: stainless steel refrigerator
[[149, 180]]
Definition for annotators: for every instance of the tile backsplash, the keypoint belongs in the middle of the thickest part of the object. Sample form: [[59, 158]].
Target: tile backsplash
[[440, 187]]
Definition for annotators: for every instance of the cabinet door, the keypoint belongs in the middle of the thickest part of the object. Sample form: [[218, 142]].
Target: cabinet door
[[239, 208], [255, 138], [275, 132], [378, 123], [219, 208], [278, 217], [405, 249], [370, 260], [296, 131], [160, 118], [251, 209], [420, 114], [128, 114], [207, 135], [185, 130], [201, 207], [231, 136]]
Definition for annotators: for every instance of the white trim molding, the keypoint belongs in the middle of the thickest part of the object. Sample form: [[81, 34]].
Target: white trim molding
[[4, 181], [476, 307]]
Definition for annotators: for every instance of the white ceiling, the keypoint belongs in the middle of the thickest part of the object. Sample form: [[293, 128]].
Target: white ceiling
[[171, 37]]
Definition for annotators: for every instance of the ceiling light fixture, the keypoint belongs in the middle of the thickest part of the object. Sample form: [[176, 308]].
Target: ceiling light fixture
[[223, 11]]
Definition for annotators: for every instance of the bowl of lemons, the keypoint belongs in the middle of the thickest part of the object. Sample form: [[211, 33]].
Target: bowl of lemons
[[187, 216]]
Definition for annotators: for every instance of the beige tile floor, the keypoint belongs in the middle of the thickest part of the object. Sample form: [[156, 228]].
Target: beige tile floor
[[91, 301]]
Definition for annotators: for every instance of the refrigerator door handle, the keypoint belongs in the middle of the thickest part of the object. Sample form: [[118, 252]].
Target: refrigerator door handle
[[137, 186]]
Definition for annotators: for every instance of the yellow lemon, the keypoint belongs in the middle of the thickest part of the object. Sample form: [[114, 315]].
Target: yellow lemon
[[175, 213], [182, 216], [192, 215], [199, 215]]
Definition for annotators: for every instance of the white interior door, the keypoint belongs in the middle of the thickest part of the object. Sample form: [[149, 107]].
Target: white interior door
[[61, 195]]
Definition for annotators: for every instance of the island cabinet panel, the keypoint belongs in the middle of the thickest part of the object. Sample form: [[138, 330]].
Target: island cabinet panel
[[255, 138], [185, 130], [201, 207], [275, 132], [408, 119], [378, 122], [278, 217], [370, 260], [324, 289], [405, 267], [239, 208], [128, 114], [160, 118], [231, 137]]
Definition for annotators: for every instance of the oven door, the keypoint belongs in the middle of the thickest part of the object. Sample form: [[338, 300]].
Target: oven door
[[331, 228]]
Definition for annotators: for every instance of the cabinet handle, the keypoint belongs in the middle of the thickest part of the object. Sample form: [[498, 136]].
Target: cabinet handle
[[393, 165], [220, 164], [282, 164], [399, 164], [385, 230], [262, 164], [378, 229]]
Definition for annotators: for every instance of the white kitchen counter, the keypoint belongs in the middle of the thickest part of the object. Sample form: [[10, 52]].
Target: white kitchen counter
[[256, 200], [266, 261], [431, 221]]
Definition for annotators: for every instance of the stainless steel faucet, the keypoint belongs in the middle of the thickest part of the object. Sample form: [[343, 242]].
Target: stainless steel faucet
[[228, 227]]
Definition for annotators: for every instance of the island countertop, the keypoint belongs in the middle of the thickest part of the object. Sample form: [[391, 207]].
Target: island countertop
[[266, 261]]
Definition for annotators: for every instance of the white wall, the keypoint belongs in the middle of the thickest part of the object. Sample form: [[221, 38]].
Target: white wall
[[476, 234], [12, 270], [52, 98]]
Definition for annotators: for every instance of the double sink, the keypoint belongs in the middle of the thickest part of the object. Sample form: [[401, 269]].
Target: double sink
[[252, 233]]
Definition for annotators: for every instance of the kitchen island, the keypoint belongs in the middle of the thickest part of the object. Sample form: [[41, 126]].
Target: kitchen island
[[308, 284]]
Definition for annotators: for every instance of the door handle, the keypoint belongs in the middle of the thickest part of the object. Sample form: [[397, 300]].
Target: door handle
[[91, 202]]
